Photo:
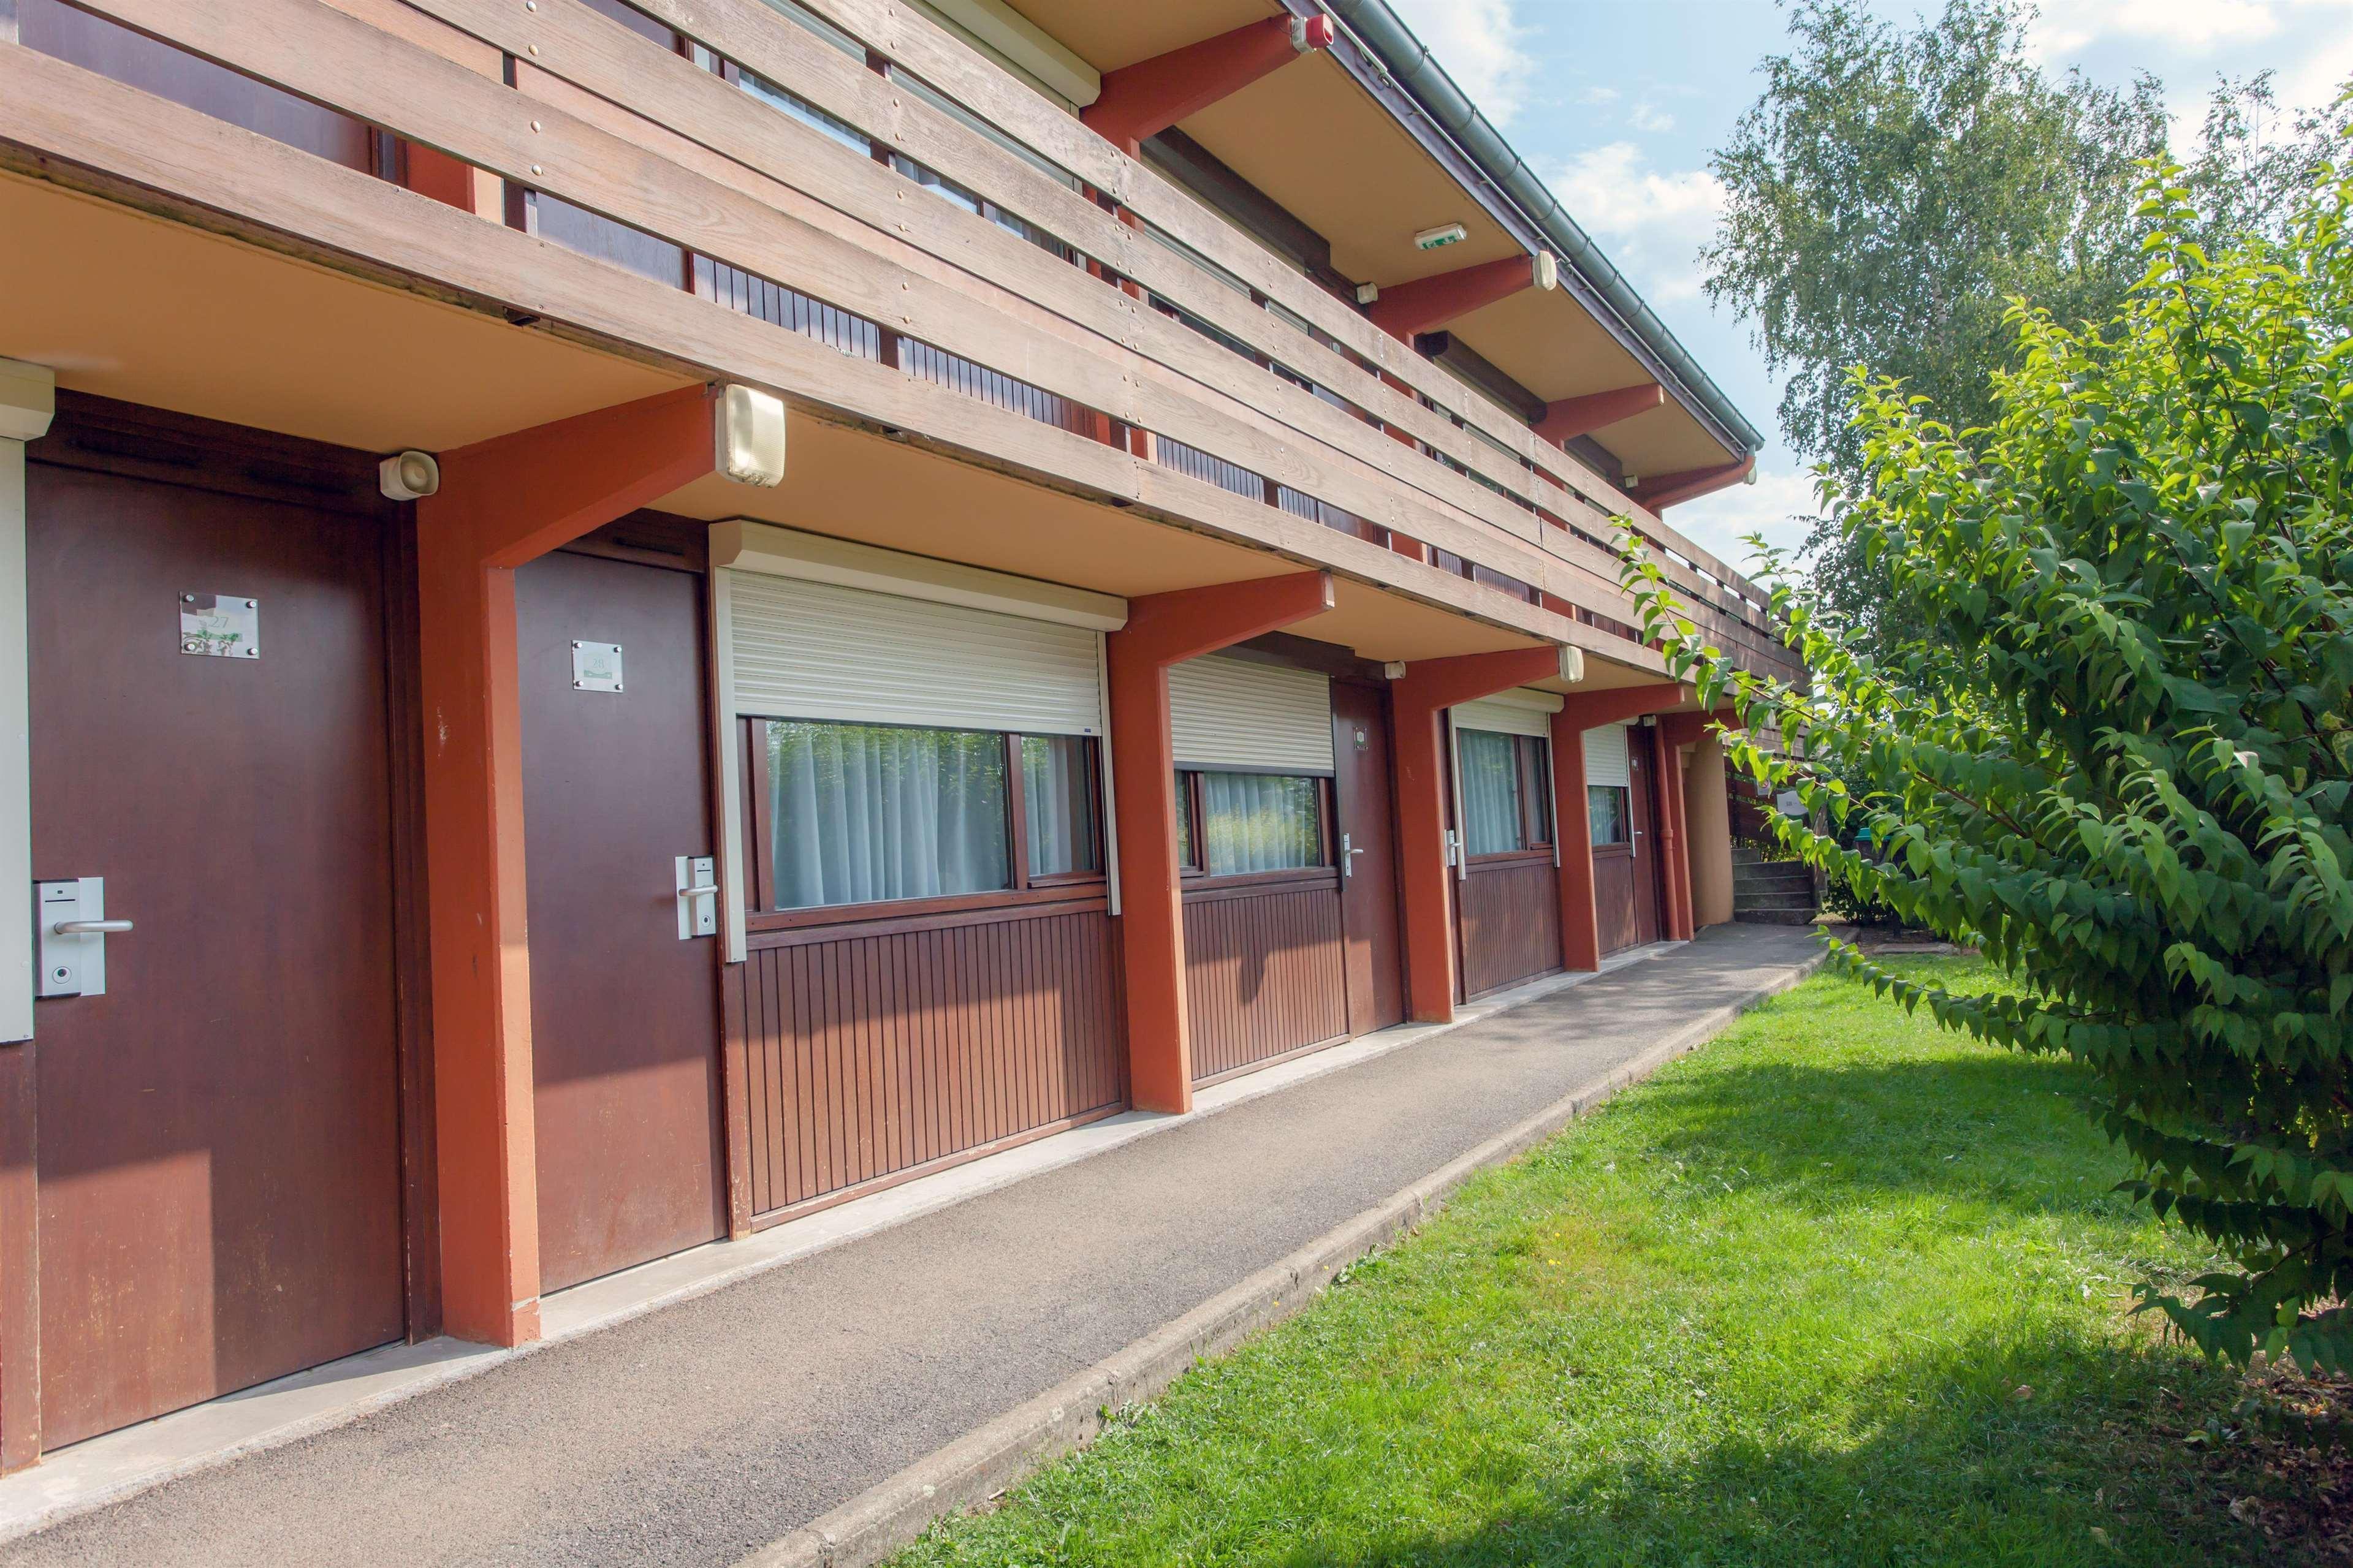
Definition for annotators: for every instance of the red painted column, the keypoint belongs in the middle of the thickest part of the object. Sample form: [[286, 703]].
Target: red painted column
[[1418, 756], [449, 180], [500, 503], [1151, 924], [1677, 860], [1580, 921], [1418, 701], [1163, 629]]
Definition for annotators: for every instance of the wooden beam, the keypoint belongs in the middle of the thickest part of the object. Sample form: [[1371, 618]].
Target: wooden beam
[[1573, 417], [1425, 304], [1148, 97], [1163, 629], [1665, 490], [1591, 709]]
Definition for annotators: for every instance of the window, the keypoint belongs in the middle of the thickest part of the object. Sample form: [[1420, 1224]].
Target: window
[[1058, 805], [1506, 792], [864, 814], [1231, 825], [1606, 806]]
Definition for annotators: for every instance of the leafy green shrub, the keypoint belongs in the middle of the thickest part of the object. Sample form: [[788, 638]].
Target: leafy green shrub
[[2117, 754]]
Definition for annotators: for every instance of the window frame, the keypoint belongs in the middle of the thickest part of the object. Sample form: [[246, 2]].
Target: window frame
[[1028, 888], [1194, 877], [1532, 760], [1625, 818]]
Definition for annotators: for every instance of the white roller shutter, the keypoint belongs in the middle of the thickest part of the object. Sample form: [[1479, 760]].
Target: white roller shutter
[[1237, 716], [1520, 712], [1605, 755], [817, 651]]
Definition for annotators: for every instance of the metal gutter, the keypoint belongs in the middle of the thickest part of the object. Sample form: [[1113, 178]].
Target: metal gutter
[[1401, 69]]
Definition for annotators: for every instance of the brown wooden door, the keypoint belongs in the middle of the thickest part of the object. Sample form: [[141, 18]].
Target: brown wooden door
[[624, 1014], [217, 1173], [1642, 812], [1368, 895]]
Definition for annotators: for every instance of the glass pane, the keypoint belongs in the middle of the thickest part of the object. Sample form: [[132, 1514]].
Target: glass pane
[[1058, 802], [1539, 754], [1260, 822], [1605, 806], [808, 113], [868, 812], [1491, 793], [577, 229], [1186, 854]]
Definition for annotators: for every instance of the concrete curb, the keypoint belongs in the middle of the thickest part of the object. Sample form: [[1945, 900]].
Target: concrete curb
[[986, 1460]]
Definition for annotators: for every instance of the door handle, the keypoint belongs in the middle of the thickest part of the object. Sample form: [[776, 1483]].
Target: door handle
[[71, 931], [1347, 856], [697, 875]]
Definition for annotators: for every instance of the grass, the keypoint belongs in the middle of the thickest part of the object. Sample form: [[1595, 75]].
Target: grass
[[1838, 1290]]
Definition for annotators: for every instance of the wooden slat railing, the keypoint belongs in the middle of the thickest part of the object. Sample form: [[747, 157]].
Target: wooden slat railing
[[607, 120]]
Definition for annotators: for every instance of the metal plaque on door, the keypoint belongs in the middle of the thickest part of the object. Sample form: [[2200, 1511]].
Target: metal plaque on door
[[596, 666], [220, 625]]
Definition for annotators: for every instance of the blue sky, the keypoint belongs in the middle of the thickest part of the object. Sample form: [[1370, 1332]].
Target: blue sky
[[1618, 102]]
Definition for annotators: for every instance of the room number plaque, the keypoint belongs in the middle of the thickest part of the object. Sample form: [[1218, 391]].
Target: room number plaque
[[220, 625], [596, 666]]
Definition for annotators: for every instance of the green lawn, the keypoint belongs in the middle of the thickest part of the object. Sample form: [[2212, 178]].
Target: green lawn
[[1838, 1290]]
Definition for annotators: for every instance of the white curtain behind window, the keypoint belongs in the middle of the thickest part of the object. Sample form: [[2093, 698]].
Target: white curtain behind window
[[1058, 801], [868, 812], [1259, 822], [1490, 791]]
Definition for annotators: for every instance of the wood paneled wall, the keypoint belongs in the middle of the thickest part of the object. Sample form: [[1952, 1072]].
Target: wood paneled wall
[[1264, 974], [865, 1056], [1617, 920], [1511, 924]]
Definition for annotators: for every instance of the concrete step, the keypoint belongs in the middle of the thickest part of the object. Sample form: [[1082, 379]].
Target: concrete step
[[1804, 900], [1774, 917], [1756, 878]]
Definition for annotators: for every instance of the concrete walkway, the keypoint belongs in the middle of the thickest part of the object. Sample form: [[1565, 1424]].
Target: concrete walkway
[[697, 1433]]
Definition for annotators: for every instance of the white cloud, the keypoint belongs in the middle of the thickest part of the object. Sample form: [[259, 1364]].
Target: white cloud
[[2311, 80], [2307, 44], [1652, 222], [1598, 96], [1650, 118], [1723, 521], [2067, 27], [1483, 45]]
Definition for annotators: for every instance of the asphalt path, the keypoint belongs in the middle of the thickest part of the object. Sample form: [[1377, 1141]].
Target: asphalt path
[[697, 1433]]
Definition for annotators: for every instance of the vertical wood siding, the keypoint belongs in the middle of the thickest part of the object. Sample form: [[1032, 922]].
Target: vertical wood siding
[[1264, 974], [1614, 913], [869, 1056], [1511, 924]]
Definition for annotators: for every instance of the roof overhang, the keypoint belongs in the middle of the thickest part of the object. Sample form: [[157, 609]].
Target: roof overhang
[[1340, 143]]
